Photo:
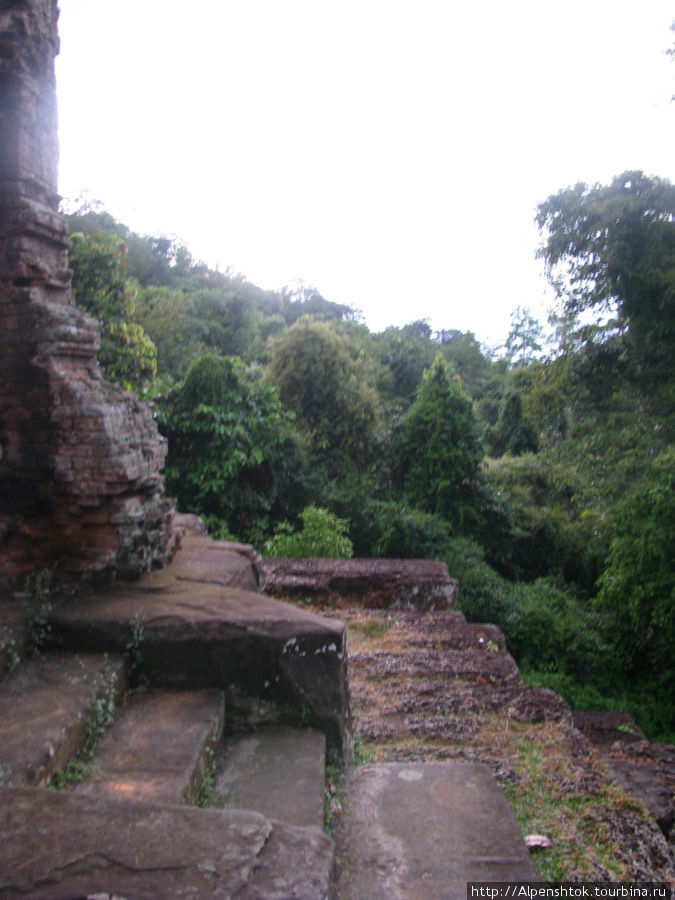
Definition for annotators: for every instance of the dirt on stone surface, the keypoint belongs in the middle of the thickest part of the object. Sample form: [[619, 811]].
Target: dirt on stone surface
[[430, 686]]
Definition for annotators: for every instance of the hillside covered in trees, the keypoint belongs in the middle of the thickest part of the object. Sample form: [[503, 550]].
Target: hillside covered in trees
[[544, 478]]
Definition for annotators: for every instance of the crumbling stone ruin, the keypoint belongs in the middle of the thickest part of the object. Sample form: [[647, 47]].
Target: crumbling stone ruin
[[80, 459]]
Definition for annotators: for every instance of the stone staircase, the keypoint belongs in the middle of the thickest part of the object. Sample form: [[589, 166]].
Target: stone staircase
[[132, 827], [225, 697]]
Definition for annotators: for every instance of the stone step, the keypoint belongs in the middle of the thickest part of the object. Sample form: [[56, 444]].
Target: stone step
[[187, 630], [279, 772], [424, 831], [158, 748], [46, 705], [57, 844]]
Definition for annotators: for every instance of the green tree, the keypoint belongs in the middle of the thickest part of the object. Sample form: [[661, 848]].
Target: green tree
[[103, 289], [167, 316], [524, 341], [439, 451], [610, 254], [225, 317], [99, 265], [405, 352], [513, 433], [305, 300], [481, 377], [637, 587], [324, 375], [322, 534], [231, 454], [127, 355]]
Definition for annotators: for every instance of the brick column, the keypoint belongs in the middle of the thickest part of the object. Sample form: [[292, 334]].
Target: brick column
[[80, 459]]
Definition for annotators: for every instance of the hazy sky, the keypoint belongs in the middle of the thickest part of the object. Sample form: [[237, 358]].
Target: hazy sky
[[390, 152]]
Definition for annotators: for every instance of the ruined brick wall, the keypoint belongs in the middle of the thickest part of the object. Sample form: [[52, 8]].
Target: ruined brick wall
[[80, 459]]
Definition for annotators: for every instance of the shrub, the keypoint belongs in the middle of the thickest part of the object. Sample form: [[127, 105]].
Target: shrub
[[547, 629], [407, 533], [484, 595], [548, 526], [322, 534], [231, 449], [389, 529]]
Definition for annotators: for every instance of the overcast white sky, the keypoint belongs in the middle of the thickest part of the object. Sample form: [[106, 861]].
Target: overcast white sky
[[390, 152]]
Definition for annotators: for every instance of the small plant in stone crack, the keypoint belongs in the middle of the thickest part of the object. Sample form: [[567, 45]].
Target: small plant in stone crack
[[305, 717], [332, 805], [208, 778], [132, 650], [488, 645], [5, 772], [628, 729], [101, 713], [38, 606], [11, 655]]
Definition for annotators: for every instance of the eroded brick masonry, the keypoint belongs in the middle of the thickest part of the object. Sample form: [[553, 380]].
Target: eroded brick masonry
[[80, 459]]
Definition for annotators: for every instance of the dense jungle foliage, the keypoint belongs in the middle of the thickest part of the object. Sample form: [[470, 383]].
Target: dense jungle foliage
[[542, 473]]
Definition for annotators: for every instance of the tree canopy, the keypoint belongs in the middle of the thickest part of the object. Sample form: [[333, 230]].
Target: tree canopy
[[438, 448], [609, 251], [230, 453]]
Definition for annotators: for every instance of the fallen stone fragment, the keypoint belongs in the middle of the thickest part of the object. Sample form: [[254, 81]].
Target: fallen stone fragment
[[537, 841], [189, 524], [212, 562]]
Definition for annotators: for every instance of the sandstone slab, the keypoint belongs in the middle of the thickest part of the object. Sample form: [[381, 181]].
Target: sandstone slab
[[212, 562], [419, 584], [424, 831], [44, 706], [275, 662], [279, 772], [139, 850], [157, 749]]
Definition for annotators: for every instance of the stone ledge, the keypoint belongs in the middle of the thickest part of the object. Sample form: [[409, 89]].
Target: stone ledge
[[374, 583]]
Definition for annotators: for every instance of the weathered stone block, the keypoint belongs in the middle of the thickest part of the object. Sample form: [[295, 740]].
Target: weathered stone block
[[373, 583]]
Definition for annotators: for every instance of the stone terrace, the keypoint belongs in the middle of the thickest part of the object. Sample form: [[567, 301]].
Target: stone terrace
[[429, 687], [443, 722]]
